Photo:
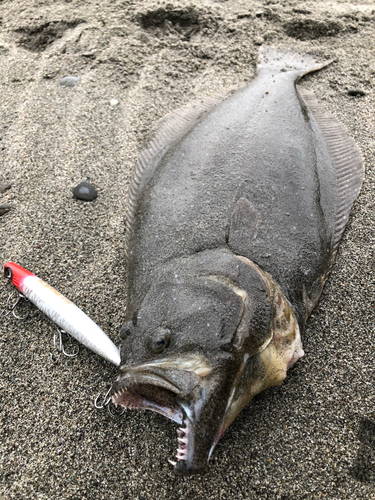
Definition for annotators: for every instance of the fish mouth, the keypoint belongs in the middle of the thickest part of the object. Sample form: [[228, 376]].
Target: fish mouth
[[181, 396], [150, 392]]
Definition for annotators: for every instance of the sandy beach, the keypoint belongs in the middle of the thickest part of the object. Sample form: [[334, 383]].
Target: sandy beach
[[311, 438]]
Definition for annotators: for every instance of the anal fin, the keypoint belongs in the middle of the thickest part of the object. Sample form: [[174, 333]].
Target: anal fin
[[345, 156]]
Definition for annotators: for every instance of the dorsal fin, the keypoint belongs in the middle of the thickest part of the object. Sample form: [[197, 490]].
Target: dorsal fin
[[345, 156], [170, 129]]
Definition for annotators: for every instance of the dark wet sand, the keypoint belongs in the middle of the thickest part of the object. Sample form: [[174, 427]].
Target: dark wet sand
[[312, 438]]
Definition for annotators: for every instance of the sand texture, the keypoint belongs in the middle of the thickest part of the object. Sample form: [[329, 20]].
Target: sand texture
[[137, 60]]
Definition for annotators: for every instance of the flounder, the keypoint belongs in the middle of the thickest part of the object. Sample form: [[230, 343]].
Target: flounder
[[235, 212]]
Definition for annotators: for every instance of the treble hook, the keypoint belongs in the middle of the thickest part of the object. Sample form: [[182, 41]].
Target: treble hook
[[107, 401], [61, 347], [12, 307]]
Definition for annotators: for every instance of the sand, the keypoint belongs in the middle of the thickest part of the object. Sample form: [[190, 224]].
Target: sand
[[312, 438]]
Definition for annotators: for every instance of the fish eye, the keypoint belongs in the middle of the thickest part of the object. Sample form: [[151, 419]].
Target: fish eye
[[8, 272], [159, 340]]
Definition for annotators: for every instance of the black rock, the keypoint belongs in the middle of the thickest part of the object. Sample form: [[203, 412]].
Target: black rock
[[70, 81], [4, 208], [85, 191], [4, 187], [355, 92]]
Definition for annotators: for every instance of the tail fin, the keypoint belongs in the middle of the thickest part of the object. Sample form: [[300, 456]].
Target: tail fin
[[271, 59]]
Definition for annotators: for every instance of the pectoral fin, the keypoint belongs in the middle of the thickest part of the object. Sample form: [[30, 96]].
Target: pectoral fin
[[243, 225]]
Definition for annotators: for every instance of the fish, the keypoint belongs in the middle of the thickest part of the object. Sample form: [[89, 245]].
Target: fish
[[235, 212], [62, 312]]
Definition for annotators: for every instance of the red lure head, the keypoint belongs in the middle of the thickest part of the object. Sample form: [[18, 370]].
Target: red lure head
[[16, 273]]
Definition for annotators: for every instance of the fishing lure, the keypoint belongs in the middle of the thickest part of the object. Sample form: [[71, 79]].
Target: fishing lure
[[62, 312]]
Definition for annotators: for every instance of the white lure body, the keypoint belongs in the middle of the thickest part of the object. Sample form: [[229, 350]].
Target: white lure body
[[63, 312]]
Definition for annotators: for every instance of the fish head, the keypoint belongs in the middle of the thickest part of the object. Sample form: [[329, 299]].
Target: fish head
[[182, 353]]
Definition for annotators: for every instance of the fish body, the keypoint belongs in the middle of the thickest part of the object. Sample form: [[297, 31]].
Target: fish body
[[62, 312], [235, 213]]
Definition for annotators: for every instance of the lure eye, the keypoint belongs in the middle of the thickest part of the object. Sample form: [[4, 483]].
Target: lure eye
[[8, 272], [159, 340]]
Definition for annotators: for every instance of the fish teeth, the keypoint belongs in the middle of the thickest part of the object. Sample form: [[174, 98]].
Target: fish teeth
[[119, 393], [182, 438]]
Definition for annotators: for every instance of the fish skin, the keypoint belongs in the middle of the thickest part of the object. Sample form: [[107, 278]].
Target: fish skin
[[234, 226]]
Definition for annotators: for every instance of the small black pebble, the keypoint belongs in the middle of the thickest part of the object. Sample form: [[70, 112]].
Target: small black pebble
[[85, 191], [70, 81], [355, 92], [4, 187], [4, 208]]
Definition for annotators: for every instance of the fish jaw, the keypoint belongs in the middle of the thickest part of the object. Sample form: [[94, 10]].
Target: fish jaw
[[201, 429], [195, 402]]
